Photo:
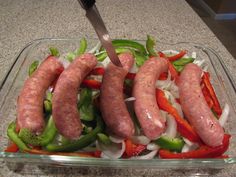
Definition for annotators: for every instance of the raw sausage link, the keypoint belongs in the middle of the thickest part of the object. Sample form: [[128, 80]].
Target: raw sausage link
[[145, 105], [30, 100], [64, 102], [195, 106], [112, 105]]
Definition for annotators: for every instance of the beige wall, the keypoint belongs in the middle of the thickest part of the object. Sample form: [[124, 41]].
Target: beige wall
[[222, 6]]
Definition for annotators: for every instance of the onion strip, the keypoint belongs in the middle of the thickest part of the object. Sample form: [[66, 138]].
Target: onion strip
[[224, 116], [148, 156]]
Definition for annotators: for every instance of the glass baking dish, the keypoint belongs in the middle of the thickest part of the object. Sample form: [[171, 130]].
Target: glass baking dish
[[224, 86]]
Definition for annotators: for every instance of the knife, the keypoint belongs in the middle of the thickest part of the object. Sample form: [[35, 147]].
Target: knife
[[96, 20]]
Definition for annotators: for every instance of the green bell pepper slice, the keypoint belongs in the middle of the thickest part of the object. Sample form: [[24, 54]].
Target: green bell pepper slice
[[104, 139], [150, 43], [172, 144], [83, 142], [33, 67], [45, 138], [54, 51], [130, 44], [11, 133], [82, 47]]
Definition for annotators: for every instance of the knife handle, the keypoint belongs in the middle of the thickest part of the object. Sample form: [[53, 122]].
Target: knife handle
[[86, 4]]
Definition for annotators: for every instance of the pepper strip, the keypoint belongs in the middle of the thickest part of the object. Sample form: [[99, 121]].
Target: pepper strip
[[207, 97], [33, 67], [174, 57], [216, 105], [93, 84], [163, 76], [103, 54], [11, 133], [80, 143], [12, 148], [203, 152], [183, 127], [172, 144], [98, 71], [174, 74], [150, 43], [132, 149], [41, 140], [82, 47], [130, 44]]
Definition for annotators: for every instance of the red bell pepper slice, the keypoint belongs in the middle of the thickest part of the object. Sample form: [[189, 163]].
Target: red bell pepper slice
[[207, 97], [174, 74], [216, 105], [97, 154], [98, 71], [183, 127], [161, 54], [132, 149], [177, 100], [12, 148], [174, 57], [163, 76], [130, 76], [203, 152], [93, 84]]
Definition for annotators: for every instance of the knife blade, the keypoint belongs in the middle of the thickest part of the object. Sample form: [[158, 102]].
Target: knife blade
[[95, 19]]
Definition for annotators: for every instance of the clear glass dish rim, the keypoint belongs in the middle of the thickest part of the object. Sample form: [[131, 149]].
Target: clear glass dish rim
[[86, 161]]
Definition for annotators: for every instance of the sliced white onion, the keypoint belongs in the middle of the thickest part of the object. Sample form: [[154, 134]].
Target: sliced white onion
[[178, 108], [140, 140], [173, 52], [104, 156], [164, 84], [174, 89], [113, 151], [169, 96], [188, 142], [194, 55], [63, 60], [171, 130], [134, 69], [187, 148], [95, 77], [152, 147], [224, 116], [104, 63], [168, 52], [130, 99], [173, 102], [96, 48], [148, 156], [164, 114], [116, 139]]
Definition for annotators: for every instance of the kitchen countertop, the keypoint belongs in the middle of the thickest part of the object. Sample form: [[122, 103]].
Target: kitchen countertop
[[22, 21]]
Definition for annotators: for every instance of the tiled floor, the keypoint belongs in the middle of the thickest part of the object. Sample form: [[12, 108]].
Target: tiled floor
[[225, 30]]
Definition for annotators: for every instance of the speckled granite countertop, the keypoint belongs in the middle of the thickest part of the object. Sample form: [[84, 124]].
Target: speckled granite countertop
[[22, 21]]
